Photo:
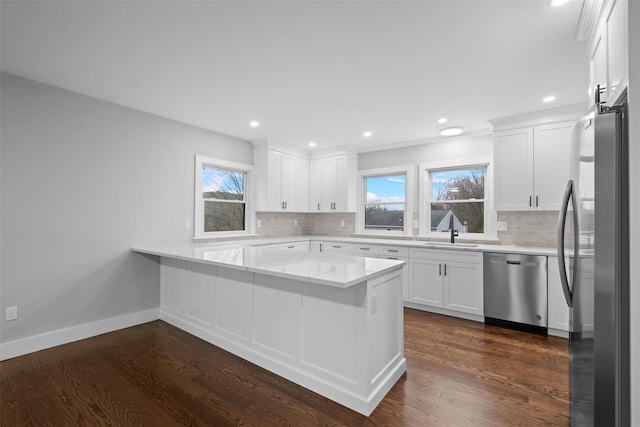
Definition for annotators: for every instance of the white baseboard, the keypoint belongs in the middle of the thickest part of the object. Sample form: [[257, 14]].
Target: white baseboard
[[27, 345]]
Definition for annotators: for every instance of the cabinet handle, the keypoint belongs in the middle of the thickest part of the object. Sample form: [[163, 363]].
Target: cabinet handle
[[439, 269], [392, 250], [318, 206], [445, 269], [291, 247], [285, 205], [530, 201], [536, 201], [364, 249]]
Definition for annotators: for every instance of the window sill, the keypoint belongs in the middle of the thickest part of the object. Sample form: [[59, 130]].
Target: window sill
[[230, 236], [383, 234], [461, 238]]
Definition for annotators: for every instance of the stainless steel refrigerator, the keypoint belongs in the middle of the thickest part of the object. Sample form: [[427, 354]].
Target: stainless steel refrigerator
[[593, 242]]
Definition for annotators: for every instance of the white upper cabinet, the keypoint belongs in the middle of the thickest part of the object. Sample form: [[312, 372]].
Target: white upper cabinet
[[282, 183], [332, 184], [532, 167], [608, 47]]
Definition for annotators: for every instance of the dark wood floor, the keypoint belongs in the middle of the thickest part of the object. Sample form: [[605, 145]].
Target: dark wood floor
[[459, 373]]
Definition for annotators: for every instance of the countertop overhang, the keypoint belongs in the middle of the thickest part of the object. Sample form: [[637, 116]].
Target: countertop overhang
[[330, 269]]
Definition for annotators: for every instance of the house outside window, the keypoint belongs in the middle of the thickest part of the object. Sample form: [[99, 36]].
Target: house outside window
[[456, 194], [222, 203], [385, 206]]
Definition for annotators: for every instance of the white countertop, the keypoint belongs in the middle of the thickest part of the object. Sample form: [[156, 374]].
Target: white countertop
[[481, 247], [338, 270]]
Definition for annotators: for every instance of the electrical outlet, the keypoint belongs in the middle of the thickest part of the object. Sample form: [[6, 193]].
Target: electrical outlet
[[374, 303], [342, 223], [259, 223], [503, 226], [295, 222], [12, 313], [187, 224]]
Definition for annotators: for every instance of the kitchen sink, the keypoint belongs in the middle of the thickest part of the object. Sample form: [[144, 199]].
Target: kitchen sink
[[450, 245]]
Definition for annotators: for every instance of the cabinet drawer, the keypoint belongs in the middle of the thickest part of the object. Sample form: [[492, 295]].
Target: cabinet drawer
[[337, 247], [394, 251], [365, 250]]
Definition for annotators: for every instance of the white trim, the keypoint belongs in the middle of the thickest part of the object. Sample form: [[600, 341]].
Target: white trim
[[39, 342], [537, 118], [408, 171], [198, 220], [423, 141], [424, 194]]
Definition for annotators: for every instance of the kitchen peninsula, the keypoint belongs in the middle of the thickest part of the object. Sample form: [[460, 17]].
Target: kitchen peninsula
[[331, 323]]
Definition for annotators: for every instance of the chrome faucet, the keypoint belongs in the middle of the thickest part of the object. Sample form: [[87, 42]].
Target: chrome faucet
[[454, 233]]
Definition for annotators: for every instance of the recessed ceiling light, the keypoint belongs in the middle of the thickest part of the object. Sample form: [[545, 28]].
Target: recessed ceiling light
[[558, 2], [451, 131], [367, 134], [549, 98], [254, 124], [312, 144], [442, 120]]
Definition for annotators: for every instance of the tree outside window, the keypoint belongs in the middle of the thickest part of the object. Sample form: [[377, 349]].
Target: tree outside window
[[223, 195], [458, 193]]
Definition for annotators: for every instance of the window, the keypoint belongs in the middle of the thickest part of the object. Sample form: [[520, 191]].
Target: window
[[385, 206], [455, 193], [221, 199], [457, 197]]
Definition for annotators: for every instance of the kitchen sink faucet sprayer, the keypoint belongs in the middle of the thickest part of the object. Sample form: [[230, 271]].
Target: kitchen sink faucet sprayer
[[454, 233]]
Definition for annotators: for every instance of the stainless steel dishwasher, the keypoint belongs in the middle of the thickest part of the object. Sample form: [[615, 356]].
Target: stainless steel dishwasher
[[515, 288]]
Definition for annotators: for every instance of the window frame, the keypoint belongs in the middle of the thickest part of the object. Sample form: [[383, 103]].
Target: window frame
[[198, 229], [408, 171], [425, 197]]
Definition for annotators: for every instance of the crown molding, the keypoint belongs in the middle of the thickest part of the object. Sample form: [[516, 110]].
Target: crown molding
[[589, 17], [542, 117], [422, 141]]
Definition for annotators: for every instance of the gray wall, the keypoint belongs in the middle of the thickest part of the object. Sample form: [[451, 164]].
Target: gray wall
[[450, 149], [82, 181]]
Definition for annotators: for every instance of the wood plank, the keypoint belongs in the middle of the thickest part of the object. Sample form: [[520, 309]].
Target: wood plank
[[459, 373]]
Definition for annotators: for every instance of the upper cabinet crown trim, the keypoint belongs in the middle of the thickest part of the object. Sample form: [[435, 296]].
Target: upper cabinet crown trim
[[537, 118], [589, 17]]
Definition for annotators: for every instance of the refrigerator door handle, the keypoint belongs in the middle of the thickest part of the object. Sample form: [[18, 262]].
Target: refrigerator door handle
[[564, 207]]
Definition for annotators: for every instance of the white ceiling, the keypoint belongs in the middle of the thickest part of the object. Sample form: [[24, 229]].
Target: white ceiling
[[323, 71]]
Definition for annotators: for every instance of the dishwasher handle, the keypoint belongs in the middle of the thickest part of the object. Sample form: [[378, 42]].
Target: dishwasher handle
[[513, 262]]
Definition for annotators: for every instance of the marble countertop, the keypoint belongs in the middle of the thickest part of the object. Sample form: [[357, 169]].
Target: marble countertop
[[426, 244], [337, 270]]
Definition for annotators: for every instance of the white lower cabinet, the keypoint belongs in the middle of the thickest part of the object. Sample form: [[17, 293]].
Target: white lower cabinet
[[558, 310], [447, 279]]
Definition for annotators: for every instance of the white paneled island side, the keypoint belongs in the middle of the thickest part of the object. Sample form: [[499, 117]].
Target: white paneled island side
[[332, 323]]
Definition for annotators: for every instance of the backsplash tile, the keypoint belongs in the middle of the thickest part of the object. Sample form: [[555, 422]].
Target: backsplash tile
[[529, 228], [280, 224], [524, 228]]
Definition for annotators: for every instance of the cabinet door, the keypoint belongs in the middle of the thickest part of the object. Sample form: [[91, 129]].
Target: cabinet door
[[315, 185], [514, 170], [425, 282], [551, 164], [463, 288], [274, 179], [302, 185], [328, 184], [341, 185], [618, 47], [288, 183], [558, 314], [598, 64]]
